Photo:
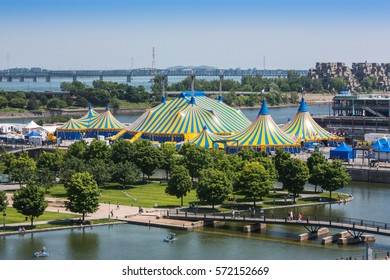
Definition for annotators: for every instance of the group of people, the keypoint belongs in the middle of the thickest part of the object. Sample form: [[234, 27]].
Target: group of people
[[291, 216], [21, 230]]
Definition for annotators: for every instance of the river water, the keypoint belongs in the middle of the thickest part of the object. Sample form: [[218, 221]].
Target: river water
[[118, 242]]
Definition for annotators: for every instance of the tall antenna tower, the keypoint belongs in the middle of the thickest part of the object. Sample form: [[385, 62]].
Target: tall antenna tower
[[153, 59], [8, 61], [263, 62]]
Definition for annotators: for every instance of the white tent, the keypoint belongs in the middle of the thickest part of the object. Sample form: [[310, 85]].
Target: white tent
[[30, 127]]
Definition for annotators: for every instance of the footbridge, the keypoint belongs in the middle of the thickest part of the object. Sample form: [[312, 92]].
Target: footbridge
[[355, 227]]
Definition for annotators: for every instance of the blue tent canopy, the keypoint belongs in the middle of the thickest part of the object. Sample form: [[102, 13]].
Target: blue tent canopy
[[32, 134], [343, 152], [377, 145], [385, 148], [344, 92]]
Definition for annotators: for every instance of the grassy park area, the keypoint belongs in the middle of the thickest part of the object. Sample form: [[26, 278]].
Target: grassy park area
[[153, 194]]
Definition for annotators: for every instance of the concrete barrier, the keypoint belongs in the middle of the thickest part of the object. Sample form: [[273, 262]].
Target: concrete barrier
[[335, 237], [312, 235], [254, 227]]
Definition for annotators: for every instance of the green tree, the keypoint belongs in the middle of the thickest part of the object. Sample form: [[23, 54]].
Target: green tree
[[17, 103], [148, 159], [6, 159], [3, 201], [56, 103], [316, 174], [180, 183], [122, 151], [82, 193], [100, 170], [316, 85], [168, 157], [295, 176], [22, 169], [3, 101], [335, 176], [51, 161], [213, 186], [195, 159], [71, 166], [30, 202], [32, 104], [98, 150], [369, 83], [338, 83], [125, 173], [255, 181], [77, 149], [280, 158], [160, 83], [45, 178]]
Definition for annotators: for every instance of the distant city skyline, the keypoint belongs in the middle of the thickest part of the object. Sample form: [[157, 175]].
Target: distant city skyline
[[120, 34]]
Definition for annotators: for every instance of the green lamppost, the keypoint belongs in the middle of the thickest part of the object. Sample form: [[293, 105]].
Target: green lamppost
[[4, 214]]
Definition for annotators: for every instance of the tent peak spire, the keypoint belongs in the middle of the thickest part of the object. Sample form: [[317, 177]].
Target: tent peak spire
[[303, 107], [264, 109]]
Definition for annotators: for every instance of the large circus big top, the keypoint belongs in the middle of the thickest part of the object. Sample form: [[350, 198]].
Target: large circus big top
[[304, 128], [188, 115], [263, 133]]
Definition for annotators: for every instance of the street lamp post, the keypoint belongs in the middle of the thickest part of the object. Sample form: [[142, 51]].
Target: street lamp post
[[4, 214], [274, 195]]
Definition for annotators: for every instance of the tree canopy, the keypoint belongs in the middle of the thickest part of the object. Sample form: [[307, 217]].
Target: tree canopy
[[213, 186], [82, 193], [30, 202], [180, 183]]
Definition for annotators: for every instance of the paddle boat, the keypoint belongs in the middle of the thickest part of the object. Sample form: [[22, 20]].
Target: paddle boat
[[41, 253], [170, 238]]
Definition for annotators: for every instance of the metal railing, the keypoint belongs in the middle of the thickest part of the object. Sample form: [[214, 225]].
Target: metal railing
[[337, 222]]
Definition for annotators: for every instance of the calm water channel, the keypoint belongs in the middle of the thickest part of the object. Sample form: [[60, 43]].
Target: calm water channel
[[140, 242]]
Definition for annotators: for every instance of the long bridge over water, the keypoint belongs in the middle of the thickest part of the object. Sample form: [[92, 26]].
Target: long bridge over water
[[356, 227], [23, 74]]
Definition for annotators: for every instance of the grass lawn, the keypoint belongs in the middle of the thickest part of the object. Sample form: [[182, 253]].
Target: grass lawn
[[146, 195], [13, 217]]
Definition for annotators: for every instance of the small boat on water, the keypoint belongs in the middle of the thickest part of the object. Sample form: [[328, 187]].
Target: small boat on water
[[41, 253], [170, 238]]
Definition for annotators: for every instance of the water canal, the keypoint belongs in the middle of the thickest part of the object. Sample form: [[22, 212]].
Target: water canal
[[124, 241]]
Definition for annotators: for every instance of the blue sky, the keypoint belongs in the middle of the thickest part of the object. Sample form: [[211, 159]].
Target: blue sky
[[110, 34]]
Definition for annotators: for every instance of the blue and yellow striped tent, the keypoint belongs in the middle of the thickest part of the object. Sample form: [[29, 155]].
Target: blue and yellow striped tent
[[205, 139], [71, 130], [263, 134], [232, 118], [185, 117], [88, 117], [304, 128], [104, 124]]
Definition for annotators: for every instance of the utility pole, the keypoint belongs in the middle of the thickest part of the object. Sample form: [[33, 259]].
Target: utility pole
[[153, 58], [263, 62]]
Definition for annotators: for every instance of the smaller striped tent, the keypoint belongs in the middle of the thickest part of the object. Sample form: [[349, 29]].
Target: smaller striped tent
[[205, 139], [90, 114], [71, 130], [104, 124], [88, 117], [263, 134], [304, 128]]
